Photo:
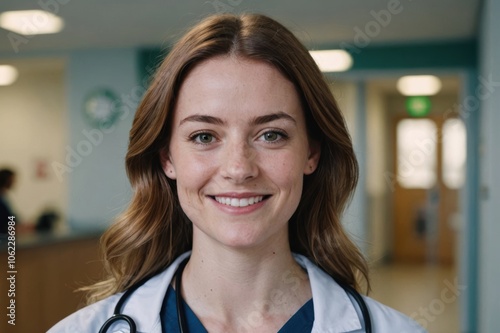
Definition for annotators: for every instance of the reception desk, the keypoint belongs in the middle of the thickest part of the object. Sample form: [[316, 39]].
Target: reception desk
[[47, 270]]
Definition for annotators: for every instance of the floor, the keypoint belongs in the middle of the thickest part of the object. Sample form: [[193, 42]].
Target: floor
[[430, 294]]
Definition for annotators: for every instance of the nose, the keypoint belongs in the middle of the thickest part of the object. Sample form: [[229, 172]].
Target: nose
[[239, 163]]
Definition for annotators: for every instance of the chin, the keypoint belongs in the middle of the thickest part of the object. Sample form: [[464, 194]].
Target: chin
[[250, 239], [241, 241], [242, 235]]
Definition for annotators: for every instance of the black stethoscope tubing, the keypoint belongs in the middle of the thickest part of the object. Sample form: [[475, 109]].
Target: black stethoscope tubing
[[181, 315]]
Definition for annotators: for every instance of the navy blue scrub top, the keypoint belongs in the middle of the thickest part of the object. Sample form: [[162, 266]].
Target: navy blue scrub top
[[301, 321]]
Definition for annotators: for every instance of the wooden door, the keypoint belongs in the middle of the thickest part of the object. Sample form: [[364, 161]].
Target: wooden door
[[429, 170]]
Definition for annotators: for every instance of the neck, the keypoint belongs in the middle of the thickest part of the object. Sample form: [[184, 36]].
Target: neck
[[226, 287]]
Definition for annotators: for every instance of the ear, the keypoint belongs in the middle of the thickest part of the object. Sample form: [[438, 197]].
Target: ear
[[167, 165], [313, 158]]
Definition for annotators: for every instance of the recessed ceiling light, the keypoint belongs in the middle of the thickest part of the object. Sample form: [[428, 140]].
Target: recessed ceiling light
[[332, 60], [31, 22], [8, 74], [419, 85]]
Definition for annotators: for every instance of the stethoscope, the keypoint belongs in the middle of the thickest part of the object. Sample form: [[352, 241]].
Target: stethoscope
[[181, 315]]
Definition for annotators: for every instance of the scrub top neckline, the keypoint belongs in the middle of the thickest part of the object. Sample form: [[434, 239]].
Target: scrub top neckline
[[301, 321]]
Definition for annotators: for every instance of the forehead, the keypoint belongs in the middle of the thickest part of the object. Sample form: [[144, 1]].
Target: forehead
[[240, 84]]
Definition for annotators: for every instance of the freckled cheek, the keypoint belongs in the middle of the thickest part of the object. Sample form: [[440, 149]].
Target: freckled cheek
[[195, 164], [189, 192], [286, 171], [192, 175]]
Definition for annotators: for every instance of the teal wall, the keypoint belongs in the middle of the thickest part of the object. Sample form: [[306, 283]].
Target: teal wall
[[447, 54], [442, 55]]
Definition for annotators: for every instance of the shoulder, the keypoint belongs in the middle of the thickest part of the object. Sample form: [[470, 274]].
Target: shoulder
[[85, 319], [386, 319], [3, 203], [335, 310]]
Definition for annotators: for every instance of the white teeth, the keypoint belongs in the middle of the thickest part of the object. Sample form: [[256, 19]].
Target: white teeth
[[234, 202]]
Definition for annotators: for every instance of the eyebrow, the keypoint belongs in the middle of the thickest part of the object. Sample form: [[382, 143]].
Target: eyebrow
[[271, 117], [256, 121], [203, 119]]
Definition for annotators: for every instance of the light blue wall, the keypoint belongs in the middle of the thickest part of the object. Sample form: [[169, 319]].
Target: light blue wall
[[98, 186], [489, 229], [468, 236], [355, 218]]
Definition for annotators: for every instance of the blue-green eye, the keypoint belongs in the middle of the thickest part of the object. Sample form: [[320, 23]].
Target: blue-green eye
[[203, 138], [273, 136]]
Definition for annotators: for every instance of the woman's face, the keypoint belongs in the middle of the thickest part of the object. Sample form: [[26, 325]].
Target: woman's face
[[238, 152]]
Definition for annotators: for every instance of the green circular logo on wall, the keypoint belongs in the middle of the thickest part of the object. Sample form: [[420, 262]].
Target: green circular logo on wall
[[101, 108]]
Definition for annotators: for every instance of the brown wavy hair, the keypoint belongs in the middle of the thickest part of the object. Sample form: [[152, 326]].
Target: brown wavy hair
[[153, 231]]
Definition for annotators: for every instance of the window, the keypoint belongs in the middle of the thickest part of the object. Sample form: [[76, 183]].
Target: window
[[416, 151], [454, 153]]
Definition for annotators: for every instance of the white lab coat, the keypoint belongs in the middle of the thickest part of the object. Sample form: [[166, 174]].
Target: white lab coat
[[334, 310]]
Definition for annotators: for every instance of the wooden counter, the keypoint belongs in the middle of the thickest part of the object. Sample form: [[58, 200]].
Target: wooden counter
[[49, 270]]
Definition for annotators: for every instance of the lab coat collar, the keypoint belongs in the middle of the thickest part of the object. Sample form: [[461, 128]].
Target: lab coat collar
[[147, 300], [334, 311]]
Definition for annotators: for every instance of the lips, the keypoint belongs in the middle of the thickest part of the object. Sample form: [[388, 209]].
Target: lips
[[239, 202]]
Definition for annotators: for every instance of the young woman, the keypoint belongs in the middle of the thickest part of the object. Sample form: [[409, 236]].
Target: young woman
[[241, 166]]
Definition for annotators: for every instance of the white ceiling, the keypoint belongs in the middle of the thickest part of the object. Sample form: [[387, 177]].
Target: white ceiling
[[319, 23]]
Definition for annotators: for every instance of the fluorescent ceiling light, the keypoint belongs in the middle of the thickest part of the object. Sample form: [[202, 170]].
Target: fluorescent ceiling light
[[419, 85], [31, 22], [8, 74], [332, 60]]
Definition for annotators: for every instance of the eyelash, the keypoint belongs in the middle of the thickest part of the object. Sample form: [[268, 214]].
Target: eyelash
[[282, 137]]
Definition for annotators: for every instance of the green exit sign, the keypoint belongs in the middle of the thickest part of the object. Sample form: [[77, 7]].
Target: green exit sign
[[418, 106]]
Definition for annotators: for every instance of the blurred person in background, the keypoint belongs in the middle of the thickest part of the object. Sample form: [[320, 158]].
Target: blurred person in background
[[7, 179]]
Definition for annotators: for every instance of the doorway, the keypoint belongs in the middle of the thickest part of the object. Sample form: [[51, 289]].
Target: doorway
[[429, 164]]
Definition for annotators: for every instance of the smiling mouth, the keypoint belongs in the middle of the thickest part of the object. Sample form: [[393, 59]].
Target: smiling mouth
[[240, 202]]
